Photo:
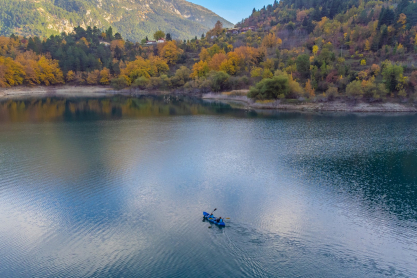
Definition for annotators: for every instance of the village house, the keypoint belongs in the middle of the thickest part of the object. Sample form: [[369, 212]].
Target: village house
[[245, 29], [105, 44], [233, 31], [155, 42], [236, 31]]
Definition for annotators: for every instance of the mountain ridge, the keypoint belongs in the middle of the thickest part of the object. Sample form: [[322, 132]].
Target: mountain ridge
[[134, 19]]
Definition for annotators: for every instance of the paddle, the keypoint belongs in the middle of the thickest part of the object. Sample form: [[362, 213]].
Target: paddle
[[213, 211]]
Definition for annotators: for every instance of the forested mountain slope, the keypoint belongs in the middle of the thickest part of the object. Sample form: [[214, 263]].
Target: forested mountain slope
[[135, 19]]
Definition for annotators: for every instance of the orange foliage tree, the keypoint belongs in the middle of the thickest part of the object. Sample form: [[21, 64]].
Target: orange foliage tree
[[216, 61]]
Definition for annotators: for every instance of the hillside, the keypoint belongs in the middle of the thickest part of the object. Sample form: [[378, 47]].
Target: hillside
[[294, 50], [134, 19]]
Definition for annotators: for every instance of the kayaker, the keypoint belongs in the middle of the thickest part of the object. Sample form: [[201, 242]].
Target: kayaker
[[219, 220]]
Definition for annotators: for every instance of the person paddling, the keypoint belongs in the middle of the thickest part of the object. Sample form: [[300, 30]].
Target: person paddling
[[211, 214], [219, 220]]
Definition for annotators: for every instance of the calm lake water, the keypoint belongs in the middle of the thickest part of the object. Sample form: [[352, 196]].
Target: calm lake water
[[116, 188]]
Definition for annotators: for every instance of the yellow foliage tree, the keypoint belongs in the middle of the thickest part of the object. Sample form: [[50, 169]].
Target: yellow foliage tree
[[50, 73], [309, 89], [256, 72], [70, 76], [402, 20], [200, 69], [29, 62], [367, 45], [152, 67], [267, 73], [170, 52], [214, 49], [270, 41], [93, 77], [117, 43], [232, 64], [204, 54], [315, 50], [11, 72], [84, 41], [104, 76]]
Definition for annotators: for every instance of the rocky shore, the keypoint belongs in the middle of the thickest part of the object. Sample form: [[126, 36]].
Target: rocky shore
[[336, 105], [55, 91]]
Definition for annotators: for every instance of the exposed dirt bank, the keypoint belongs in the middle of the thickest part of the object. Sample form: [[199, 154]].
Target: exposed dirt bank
[[337, 105]]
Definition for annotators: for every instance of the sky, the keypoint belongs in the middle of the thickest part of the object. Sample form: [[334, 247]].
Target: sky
[[232, 10]]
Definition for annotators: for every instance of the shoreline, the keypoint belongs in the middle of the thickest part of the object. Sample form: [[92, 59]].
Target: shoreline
[[330, 106], [55, 91], [225, 97]]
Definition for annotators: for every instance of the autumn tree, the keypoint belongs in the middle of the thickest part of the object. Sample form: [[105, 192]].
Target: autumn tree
[[270, 41], [70, 76], [301, 15], [170, 52], [93, 77], [315, 50], [11, 72], [216, 61], [200, 69], [50, 72], [309, 89], [232, 64], [152, 67], [204, 54], [218, 28], [104, 78]]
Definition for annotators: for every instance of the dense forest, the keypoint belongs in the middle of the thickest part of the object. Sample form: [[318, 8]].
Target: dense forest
[[309, 50]]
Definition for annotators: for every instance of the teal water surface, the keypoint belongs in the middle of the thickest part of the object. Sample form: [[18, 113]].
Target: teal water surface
[[116, 188]]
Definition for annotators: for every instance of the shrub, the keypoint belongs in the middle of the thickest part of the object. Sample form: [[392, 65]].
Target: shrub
[[372, 89], [141, 82], [120, 83], [219, 81], [237, 83], [354, 89], [154, 83], [332, 92], [270, 88]]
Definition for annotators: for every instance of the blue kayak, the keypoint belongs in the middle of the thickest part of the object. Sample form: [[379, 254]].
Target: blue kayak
[[213, 220]]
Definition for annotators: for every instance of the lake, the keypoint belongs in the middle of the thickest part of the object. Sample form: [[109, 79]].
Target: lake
[[116, 187]]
